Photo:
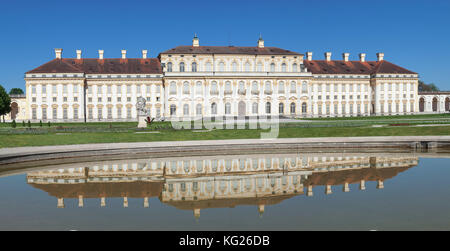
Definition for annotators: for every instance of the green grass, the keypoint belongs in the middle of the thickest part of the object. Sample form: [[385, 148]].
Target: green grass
[[17, 140], [394, 117]]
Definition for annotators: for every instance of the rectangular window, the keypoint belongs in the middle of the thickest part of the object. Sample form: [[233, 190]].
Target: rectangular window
[[335, 109], [109, 99], [55, 113], [109, 88], [75, 99], [90, 100], [129, 112], [44, 89], [99, 100], [109, 113], [65, 113], [351, 108], [358, 109], [149, 89], [64, 88], [100, 113], [366, 108], [158, 112], [33, 89], [90, 113], [33, 99], [34, 113], [128, 88], [158, 89], [119, 99], [148, 99], [343, 108], [75, 89], [89, 89], [119, 113], [138, 90], [64, 99], [75, 113], [54, 90], [128, 99], [44, 100], [99, 89], [44, 113]]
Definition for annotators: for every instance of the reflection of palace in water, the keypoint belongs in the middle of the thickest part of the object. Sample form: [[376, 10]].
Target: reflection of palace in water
[[197, 183]]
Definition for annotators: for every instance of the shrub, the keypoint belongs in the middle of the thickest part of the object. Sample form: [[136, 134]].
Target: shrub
[[48, 124], [13, 124], [29, 124], [40, 123], [23, 123]]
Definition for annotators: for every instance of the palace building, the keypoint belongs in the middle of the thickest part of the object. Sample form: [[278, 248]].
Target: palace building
[[207, 81]]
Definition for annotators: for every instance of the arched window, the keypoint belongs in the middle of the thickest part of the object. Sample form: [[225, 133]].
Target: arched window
[[186, 89], [169, 67], [186, 110], [292, 108], [268, 86], [304, 87], [281, 108], [214, 88], [283, 67], [228, 87], [247, 66], [272, 67], [294, 67], [281, 87], [293, 87], [255, 108], [194, 67], [214, 108], [208, 66], [173, 88], [173, 110], [241, 87], [235, 66], [198, 109], [221, 66], [227, 108], [182, 67], [199, 88], [254, 87], [268, 107], [259, 67]]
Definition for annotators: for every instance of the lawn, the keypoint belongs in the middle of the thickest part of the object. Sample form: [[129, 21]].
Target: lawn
[[55, 138], [393, 117]]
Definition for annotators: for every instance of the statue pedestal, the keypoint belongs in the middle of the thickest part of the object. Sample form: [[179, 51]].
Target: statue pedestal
[[142, 123]]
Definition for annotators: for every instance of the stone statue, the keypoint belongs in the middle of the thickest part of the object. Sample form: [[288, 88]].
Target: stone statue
[[141, 112]]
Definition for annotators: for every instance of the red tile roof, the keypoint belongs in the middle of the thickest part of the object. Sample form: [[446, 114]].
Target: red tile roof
[[354, 67], [189, 49], [101, 66]]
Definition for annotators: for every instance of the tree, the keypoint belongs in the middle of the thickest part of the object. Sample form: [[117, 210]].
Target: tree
[[5, 103], [427, 87], [16, 91]]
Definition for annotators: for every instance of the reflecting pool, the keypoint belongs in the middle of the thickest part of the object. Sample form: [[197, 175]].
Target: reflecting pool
[[282, 191]]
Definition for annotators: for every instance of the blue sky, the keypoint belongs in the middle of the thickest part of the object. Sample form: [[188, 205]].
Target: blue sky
[[412, 34]]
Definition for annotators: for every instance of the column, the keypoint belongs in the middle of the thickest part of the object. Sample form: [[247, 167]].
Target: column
[[60, 203], [80, 201]]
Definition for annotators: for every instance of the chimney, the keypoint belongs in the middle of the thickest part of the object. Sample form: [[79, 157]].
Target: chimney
[[309, 56], [58, 53], [144, 54], [380, 56], [362, 57], [328, 56], [345, 56], [78, 54], [195, 41], [260, 42], [100, 54], [124, 54]]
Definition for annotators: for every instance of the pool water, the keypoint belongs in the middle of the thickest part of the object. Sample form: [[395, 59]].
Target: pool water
[[292, 191]]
